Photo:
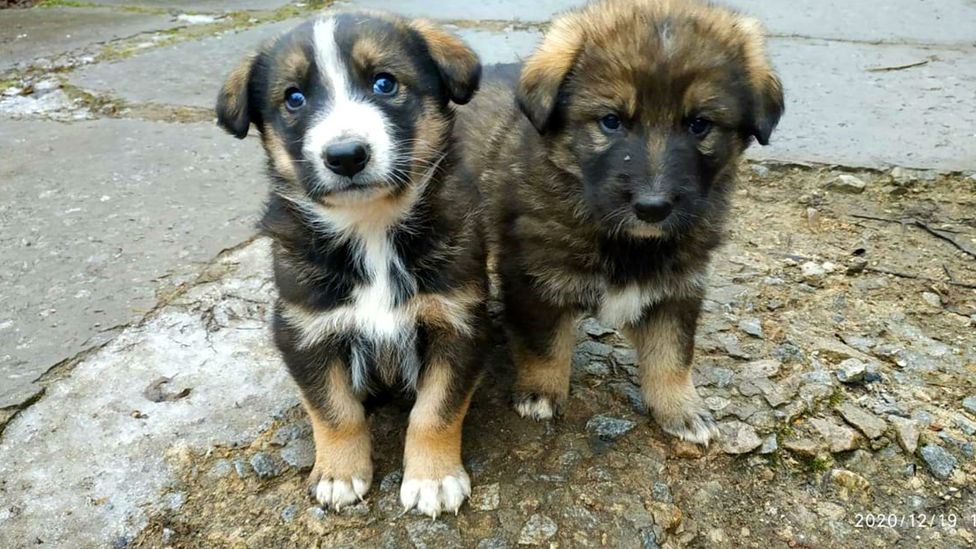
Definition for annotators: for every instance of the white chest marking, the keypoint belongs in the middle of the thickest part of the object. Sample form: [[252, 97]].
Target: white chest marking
[[625, 305]]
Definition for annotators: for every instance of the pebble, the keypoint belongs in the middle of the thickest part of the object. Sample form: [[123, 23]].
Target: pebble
[[492, 543], [608, 428], [815, 272], [486, 497], [739, 438], [631, 394], [760, 368], [391, 481], [289, 513], [760, 170], [932, 299], [906, 433], [939, 462], [240, 467], [964, 425], [221, 468], [838, 437], [299, 453], [802, 446], [846, 183], [168, 535], [848, 480], [969, 403], [263, 465], [751, 326], [537, 530], [594, 349], [598, 369], [288, 433], [315, 513], [716, 403], [687, 450], [428, 534], [660, 491], [851, 370], [869, 424], [624, 356], [769, 445]]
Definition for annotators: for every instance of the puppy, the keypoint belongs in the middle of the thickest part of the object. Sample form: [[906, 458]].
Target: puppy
[[608, 171], [378, 260]]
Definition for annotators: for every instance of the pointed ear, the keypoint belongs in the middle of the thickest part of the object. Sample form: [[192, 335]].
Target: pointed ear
[[458, 65], [233, 108], [767, 91], [546, 70]]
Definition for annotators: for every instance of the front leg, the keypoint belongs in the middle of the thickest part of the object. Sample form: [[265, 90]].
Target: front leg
[[541, 338], [434, 479], [665, 342], [343, 468]]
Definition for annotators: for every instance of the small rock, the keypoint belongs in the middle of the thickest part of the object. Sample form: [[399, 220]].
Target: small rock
[[609, 429], [288, 433], [594, 349], [624, 357], [869, 424], [939, 462], [814, 272], [315, 513], [660, 491], [760, 368], [802, 447], [769, 445], [391, 481], [168, 535], [593, 328], [969, 403], [240, 467], [486, 497], [848, 480], [760, 170], [837, 437], [648, 539], [299, 453], [427, 534], [264, 466], [846, 183], [687, 450], [932, 299], [739, 438], [492, 543], [964, 424], [631, 394], [906, 433], [851, 370], [598, 369], [751, 326], [537, 530], [289, 513], [717, 403], [221, 468]]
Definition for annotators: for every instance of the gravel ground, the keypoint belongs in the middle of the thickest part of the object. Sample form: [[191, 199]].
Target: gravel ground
[[845, 393]]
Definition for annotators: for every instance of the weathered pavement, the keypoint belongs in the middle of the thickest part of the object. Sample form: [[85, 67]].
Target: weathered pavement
[[118, 195]]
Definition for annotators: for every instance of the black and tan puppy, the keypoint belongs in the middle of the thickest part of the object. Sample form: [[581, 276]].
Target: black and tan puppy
[[608, 170], [380, 273]]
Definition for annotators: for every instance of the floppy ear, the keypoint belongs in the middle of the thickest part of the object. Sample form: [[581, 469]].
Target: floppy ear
[[767, 91], [546, 70], [457, 64], [234, 114]]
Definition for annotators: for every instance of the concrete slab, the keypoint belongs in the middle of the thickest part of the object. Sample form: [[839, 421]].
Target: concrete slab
[[200, 6], [841, 110], [94, 216], [507, 46], [921, 21], [537, 11], [87, 464], [30, 34], [188, 73]]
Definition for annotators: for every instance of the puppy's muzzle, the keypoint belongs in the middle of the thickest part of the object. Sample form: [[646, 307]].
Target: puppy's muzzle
[[653, 209], [346, 158]]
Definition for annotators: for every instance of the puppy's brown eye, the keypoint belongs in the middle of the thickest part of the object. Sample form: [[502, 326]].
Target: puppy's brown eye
[[699, 126], [610, 123]]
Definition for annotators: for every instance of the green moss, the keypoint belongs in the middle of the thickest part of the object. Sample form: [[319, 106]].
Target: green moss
[[820, 463], [836, 397], [66, 4]]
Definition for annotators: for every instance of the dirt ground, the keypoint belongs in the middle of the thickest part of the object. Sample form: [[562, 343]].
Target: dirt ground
[[837, 351]]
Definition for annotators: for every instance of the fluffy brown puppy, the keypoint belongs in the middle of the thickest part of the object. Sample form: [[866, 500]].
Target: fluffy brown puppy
[[608, 170], [379, 263]]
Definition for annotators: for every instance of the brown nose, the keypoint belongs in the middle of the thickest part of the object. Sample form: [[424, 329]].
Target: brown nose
[[347, 158], [653, 209]]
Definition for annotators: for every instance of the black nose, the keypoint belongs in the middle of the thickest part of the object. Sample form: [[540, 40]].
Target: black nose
[[347, 158], [653, 209]]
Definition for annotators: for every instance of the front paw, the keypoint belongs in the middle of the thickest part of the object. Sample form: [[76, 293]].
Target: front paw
[[431, 496], [335, 491], [537, 406], [692, 422]]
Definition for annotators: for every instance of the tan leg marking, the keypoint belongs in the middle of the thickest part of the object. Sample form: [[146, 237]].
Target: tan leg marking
[[343, 468], [434, 479], [666, 383], [542, 383]]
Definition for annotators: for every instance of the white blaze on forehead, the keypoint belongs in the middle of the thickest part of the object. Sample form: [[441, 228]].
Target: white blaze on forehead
[[346, 116]]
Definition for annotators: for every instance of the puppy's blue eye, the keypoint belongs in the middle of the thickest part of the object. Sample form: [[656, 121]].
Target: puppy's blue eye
[[294, 99], [699, 126], [385, 84], [610, 123]]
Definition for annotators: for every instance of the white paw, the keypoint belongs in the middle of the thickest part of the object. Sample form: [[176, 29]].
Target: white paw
[[695, 425], [337, 493], [430, 496], [536, 408]]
